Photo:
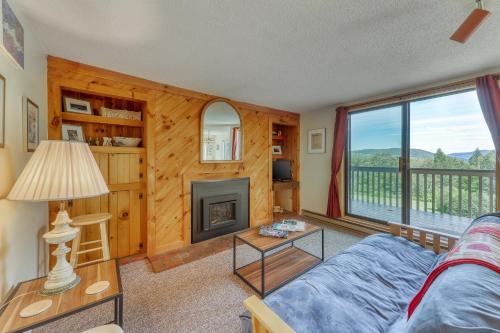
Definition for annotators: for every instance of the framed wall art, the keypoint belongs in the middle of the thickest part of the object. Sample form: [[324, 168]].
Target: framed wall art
[[2, 111], [12, 35], [31, 125], [316, 141]]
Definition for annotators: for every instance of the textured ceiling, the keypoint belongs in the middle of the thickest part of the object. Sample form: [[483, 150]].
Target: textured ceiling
[[289, 54]]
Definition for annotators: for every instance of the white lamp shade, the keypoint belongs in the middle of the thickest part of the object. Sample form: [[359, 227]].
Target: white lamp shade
[[59, 170]]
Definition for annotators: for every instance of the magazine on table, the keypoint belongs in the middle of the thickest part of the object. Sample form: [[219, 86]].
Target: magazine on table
[[269, 231], [290, 225]]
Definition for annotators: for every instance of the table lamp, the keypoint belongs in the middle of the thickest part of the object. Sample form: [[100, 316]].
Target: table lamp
[[60, 171]]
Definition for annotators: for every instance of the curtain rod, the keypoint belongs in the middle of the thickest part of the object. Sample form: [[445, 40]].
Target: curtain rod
[[464, 84]]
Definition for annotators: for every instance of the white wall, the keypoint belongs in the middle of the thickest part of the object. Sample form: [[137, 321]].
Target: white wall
[[22, 250], [315, 169]]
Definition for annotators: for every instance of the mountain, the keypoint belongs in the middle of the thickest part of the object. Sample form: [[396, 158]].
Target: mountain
[[395, 152], [419, 153], [467, 155]]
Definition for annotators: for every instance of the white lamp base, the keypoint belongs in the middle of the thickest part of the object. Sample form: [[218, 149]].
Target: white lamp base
[[61, 277]]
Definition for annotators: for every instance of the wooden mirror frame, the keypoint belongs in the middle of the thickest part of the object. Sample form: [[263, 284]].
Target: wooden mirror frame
[[205, 107]]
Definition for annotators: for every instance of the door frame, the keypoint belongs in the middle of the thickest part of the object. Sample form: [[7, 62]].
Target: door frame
[[404, 159]]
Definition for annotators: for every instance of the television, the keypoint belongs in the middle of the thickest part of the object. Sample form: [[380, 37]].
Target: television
[[282, 170]]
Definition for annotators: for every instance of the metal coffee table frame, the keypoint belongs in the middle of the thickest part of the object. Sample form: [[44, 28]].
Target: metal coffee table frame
[[263, 293]]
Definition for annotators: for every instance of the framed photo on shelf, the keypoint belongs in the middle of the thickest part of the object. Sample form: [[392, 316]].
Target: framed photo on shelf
[[72, 132], [2, 111], [77, 106], [316, 141], [31, 127], [277, 150]]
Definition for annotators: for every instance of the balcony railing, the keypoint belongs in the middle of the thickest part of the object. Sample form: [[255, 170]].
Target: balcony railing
[[464, 193]]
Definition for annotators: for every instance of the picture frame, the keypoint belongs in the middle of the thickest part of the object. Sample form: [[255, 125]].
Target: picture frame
[[74, 105], [72, 132], [31, 121], [12, 35], [277, 150], [316, 141], [3, 83]]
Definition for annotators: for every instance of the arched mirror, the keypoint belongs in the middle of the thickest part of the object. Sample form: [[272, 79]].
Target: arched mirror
[[221, 135]]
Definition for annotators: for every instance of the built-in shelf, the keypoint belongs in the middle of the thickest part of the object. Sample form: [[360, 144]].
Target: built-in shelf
[[286, 194], [278, 185], [87, 118], [117, 150]]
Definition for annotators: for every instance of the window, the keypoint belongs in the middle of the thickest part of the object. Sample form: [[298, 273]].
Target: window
[[428, 163]]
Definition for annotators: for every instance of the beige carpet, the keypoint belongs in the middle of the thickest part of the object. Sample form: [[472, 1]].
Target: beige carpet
[[201, 296]]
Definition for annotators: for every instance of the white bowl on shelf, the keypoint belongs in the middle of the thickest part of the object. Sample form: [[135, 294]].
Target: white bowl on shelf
[[122, 141]]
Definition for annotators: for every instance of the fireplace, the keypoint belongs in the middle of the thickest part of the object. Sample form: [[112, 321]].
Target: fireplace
[[218, 207]]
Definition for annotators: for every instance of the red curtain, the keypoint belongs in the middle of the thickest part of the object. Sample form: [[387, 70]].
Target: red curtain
[[339, 137], [488, 94]]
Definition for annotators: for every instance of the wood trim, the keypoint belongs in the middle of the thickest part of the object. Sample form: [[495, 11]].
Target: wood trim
[[421, 93], [435, 237], [59, 64], [151, 177], [350, 222], [202, 123], [460, 85], [264, 319], [162, 249]]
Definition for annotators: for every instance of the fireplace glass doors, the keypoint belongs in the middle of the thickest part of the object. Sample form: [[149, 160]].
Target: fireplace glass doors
[[218, 207]]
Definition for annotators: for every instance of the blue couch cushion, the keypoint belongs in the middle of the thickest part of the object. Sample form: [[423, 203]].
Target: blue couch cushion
[[366, 288]]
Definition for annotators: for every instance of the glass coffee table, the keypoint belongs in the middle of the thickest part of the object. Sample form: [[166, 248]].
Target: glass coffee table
[[274, 270]]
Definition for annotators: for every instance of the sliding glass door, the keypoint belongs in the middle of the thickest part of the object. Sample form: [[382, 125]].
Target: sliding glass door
[[375, 148], [428, 163], [452, 162]]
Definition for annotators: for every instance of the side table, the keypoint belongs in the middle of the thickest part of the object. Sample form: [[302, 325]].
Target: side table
[[70, 302]]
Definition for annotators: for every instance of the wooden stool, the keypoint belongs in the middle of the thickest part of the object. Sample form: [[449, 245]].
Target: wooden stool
[[87, 220]]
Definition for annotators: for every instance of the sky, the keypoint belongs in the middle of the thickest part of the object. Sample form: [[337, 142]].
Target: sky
[[453, 123]]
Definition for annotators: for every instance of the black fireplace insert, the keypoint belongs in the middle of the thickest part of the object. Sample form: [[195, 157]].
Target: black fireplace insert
[[218, 207]]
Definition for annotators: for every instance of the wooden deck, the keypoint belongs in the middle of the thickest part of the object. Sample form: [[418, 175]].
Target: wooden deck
[[440, 222]]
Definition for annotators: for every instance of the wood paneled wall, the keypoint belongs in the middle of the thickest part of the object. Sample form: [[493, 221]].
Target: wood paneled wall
[[172, 141]]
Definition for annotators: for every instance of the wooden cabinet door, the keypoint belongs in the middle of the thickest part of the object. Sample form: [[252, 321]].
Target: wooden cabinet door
[[125, 169], [125, 237], [123, 172]]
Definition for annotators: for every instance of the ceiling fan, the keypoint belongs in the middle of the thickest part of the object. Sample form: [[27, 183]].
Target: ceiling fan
[[471, 23]]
